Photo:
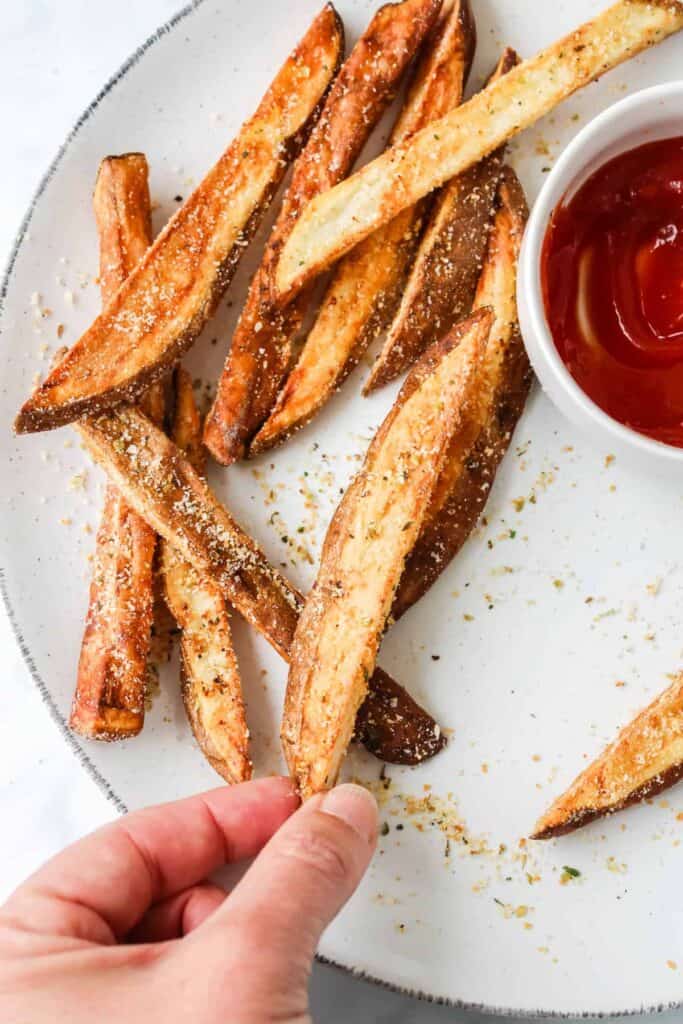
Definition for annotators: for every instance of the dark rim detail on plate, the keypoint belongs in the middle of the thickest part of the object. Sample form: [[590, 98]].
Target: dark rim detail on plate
[[46, 696]]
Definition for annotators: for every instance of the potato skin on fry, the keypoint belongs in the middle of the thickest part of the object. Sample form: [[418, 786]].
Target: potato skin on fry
[[261, 348], [371, 534], [158, 481], [334, 223], [210, 677], [489, 421], [443, 277], [366, 287], [123, 213], [145, 329], [109, 699], [644, 759]]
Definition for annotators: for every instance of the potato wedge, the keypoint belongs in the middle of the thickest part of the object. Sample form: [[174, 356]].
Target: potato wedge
[[123, 215], [369, 538], [159, 311], [109, 700], [440, 288], [489, 421], [365, 290], [341, 218], [211, 685], [187, 422], [159, 482], [261, 349], [645, 758]]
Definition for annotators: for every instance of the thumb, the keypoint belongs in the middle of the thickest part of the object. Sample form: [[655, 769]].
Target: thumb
[[292, 891]]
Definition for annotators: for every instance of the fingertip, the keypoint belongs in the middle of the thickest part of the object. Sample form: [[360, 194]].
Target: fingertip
[[284, 785], [278, 788], [355, 806]]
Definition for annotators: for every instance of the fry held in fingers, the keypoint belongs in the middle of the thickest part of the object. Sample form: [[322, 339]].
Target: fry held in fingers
[[369, 539], [440, 287], [365, 289], [159, 482], [158, 312], [109, 700], [645, 758], [488, 422], [341, 218], [261, 348]]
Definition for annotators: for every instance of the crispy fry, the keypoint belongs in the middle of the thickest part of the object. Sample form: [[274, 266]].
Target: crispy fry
[[162, 486], [645, 758], [123, 214], [443, 278], [489, 420], [371, 534], [261, 348], [159, 311], [364, 292], [109, 700], [212, 690], [341, 218], [187, 422]]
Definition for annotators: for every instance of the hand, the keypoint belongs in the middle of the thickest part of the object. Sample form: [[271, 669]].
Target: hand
[[123, 926]]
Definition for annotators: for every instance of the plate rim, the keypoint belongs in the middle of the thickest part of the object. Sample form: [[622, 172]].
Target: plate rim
[[59, 719]]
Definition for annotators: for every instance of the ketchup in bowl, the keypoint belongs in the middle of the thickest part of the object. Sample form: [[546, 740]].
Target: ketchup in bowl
[[612, 279]]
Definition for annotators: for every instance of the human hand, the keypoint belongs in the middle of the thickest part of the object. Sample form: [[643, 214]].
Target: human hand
[[123, 926]]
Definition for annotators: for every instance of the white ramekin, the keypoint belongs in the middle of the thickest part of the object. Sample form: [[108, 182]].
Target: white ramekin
[[652, 114]]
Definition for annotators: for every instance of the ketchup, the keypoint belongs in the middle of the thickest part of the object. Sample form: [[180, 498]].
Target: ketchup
[[612, 277]]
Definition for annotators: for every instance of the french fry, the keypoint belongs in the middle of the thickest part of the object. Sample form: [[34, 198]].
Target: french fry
[[211, 685], [339, 219], [364, 292], [123, 214], [369, 538], [645, 758], [187, 422], [160, 309], [440, 288], [109, 700], [261, 349], [159, 482], [488, 422]]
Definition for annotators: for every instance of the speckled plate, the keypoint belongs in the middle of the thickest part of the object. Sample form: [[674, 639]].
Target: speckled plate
[[559, 620]]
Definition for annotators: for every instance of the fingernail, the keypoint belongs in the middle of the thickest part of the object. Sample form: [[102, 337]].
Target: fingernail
[[354, 805]]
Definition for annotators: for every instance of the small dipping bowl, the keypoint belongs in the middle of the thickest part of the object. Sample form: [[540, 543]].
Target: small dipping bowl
[[647, 116]]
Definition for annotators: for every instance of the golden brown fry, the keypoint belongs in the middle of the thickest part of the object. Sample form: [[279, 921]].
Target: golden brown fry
[[645, 758], [109, 700], [212, 690], [123, 214], [187, 422], [364, 292], [341, 218], [443, 278], [159, 311], [371, 534], [159, 482], [261, 348], [488, 422]]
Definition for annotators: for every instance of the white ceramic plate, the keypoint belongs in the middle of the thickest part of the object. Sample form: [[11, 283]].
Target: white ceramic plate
[[547, 609]]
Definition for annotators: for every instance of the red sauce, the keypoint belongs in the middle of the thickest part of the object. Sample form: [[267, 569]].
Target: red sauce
[[612, 275]]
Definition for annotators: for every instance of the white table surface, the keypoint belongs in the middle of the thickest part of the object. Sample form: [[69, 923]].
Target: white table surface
[[56, 54]]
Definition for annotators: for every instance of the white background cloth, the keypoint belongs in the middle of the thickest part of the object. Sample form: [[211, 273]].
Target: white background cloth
[[56, 54]]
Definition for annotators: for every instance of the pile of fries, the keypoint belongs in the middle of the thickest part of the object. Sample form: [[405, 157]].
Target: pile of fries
[[426, 240]]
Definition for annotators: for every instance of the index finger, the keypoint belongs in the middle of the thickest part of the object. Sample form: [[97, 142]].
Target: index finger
[[100, 887]]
